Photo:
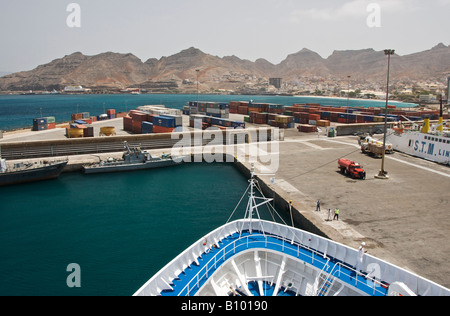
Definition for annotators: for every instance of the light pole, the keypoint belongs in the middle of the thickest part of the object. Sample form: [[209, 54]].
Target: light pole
[[348, 95], [198, 71], [383, 173]]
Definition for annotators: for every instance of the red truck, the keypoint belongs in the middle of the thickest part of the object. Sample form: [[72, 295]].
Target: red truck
[[352, 169]]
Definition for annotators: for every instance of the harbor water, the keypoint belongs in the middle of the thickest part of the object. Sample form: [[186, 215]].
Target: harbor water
[[119, 228], [18, 111]]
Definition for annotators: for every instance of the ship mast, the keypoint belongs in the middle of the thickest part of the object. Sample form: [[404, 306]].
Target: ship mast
[[253, 205]]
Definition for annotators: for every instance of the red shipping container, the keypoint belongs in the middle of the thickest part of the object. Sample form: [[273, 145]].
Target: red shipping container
[[136, 127], [159, 129], [127, 123], [138, 116], [110, 112], [306, 128], [314, 117], [243, 110], [51, 125]]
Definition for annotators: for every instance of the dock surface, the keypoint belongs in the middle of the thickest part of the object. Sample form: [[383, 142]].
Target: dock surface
[[403, 220]]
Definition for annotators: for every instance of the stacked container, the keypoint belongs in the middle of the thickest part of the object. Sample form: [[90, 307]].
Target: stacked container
[[147, 128], [40, 124], [111, 114], [163, 124]]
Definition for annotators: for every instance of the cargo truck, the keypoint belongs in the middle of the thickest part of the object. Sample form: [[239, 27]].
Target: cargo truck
[[351, 169], [374, 147]]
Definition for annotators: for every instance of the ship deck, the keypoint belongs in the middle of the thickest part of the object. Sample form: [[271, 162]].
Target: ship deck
[[196, 275]]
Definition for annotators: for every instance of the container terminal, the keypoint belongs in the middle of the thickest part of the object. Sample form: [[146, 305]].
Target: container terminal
[[402, 220]]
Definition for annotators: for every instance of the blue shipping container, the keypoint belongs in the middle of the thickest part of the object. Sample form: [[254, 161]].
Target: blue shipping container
[[147, 128], [40, 121], [164, 121]]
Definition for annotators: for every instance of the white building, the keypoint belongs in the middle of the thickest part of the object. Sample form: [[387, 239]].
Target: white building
[[74, 89]]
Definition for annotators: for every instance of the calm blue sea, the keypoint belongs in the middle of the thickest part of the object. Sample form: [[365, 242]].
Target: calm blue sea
[[19, 111], [119, 228]]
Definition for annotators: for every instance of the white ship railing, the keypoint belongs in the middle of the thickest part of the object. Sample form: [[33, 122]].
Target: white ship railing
[[318, 246]]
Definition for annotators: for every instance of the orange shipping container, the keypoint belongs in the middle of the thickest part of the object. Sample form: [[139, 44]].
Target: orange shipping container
[[160, 129], [323, 123]]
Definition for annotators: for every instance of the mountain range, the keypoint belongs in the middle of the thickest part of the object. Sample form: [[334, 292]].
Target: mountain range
[[118, 71]]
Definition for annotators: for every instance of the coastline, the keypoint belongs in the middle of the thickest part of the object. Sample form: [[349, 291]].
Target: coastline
[[127, 102]]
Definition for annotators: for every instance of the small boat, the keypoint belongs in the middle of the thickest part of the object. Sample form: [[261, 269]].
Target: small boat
[[132, 159], [254, 257], [29, 172]]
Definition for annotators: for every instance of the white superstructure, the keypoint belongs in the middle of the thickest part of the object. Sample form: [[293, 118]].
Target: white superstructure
[[431, 146]]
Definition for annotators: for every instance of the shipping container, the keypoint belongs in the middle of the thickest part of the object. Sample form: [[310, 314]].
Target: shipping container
[[284, 119], [314, 117], [243, 109], [323, 123], [147, 128], [305, 128], [164, 121], [51, 125], [139, 116], [41, 127], [40, 121], [127, 123], [50, 119], [88, 132], [77, 116], [161, 129], [177, 118], [136, 127]]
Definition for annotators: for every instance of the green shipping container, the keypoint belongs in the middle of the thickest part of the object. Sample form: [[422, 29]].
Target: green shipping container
[[51, 119]]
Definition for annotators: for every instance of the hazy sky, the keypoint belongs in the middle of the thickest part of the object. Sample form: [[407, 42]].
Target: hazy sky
[[34, 32]]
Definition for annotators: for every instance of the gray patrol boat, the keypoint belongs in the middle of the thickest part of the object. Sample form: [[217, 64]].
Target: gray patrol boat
[[133, 159]]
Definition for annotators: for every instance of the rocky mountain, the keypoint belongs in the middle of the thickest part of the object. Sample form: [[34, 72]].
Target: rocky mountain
[[113, 70]]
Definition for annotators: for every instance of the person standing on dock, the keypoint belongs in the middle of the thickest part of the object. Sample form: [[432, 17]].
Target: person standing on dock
[[329, 215], [336, 214], [318, 206]]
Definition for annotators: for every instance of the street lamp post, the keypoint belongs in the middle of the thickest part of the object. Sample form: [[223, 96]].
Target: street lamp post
[[197, 70], [348, 96], [383, 173]]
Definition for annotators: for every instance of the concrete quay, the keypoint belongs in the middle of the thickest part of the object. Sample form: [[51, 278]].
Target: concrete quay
[[403, 220]]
